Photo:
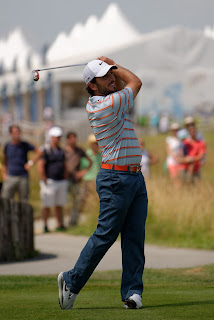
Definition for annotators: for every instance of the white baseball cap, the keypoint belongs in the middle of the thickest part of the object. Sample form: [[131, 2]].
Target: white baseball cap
[[174, 126], [189, 120], [96, 68], [55, 132]]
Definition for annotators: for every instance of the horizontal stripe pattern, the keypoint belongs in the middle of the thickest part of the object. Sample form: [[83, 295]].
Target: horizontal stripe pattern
[[113, 128]]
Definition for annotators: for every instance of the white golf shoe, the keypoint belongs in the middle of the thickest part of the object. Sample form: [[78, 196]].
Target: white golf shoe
[[66, 297], [133, 302]]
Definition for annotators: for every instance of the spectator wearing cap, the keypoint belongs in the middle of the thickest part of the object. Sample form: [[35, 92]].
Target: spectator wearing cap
[[15, 165], [53, 183], [188, 122], [74, 154], [174, 151]]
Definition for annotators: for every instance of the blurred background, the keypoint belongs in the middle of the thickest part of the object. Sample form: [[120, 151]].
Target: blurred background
[[169, 45]]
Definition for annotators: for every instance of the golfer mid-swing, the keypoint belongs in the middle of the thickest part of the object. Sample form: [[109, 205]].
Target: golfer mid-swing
[[120, 184]]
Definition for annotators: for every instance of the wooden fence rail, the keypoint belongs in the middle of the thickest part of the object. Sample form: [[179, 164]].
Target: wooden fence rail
[[16, 230]]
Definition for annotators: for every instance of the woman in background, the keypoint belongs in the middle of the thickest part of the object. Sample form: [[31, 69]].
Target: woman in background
[[147, 159], [174, 149]]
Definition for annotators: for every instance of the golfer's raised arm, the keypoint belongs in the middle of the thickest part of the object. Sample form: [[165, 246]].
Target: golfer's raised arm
[[130, 79]]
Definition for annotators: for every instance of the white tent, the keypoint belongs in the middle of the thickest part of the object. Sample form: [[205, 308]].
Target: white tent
[[110, 32]]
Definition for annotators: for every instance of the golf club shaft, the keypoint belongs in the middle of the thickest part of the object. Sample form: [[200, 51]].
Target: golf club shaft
[[71, 65]]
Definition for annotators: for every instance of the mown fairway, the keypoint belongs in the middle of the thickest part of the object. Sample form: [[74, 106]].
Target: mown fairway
[[169, 294]]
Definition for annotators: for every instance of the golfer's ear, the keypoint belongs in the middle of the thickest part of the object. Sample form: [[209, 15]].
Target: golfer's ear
[[92, 86]]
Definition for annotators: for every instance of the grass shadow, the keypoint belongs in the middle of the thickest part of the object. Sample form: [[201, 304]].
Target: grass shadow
[[38, 257]]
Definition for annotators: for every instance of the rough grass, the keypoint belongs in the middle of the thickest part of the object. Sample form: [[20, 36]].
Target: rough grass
[[168, 294], [180, 217]]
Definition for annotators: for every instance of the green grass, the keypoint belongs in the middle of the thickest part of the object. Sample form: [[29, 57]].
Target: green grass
[[168, 294]]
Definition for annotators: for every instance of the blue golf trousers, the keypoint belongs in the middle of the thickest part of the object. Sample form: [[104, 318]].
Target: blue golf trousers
[[123, 209]]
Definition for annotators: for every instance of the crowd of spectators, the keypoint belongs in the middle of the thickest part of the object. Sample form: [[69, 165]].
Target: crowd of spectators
[[63, 171], [70, 171], [186, 152]]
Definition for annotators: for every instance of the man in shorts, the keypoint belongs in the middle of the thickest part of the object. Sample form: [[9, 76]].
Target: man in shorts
[[53, 183], [120, 184]]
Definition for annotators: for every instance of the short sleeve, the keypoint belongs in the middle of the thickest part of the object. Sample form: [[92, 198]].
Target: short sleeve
[[44, 155], [29, 146], [122, 101]]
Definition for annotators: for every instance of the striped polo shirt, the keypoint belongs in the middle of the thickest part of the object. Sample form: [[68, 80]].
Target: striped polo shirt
[[113, 128]]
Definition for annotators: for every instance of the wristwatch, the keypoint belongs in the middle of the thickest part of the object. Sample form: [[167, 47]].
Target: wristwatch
[[30, 163]]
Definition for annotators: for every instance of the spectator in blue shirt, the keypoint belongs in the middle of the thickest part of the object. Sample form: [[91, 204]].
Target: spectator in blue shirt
[[15, 165]]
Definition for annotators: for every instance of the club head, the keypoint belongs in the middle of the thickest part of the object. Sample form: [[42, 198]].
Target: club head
[[35, 74]]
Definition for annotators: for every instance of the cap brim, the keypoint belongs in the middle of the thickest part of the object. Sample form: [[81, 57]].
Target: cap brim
[[105, 70]]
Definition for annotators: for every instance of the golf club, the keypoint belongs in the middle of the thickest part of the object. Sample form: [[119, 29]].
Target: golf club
[[35, 73]]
